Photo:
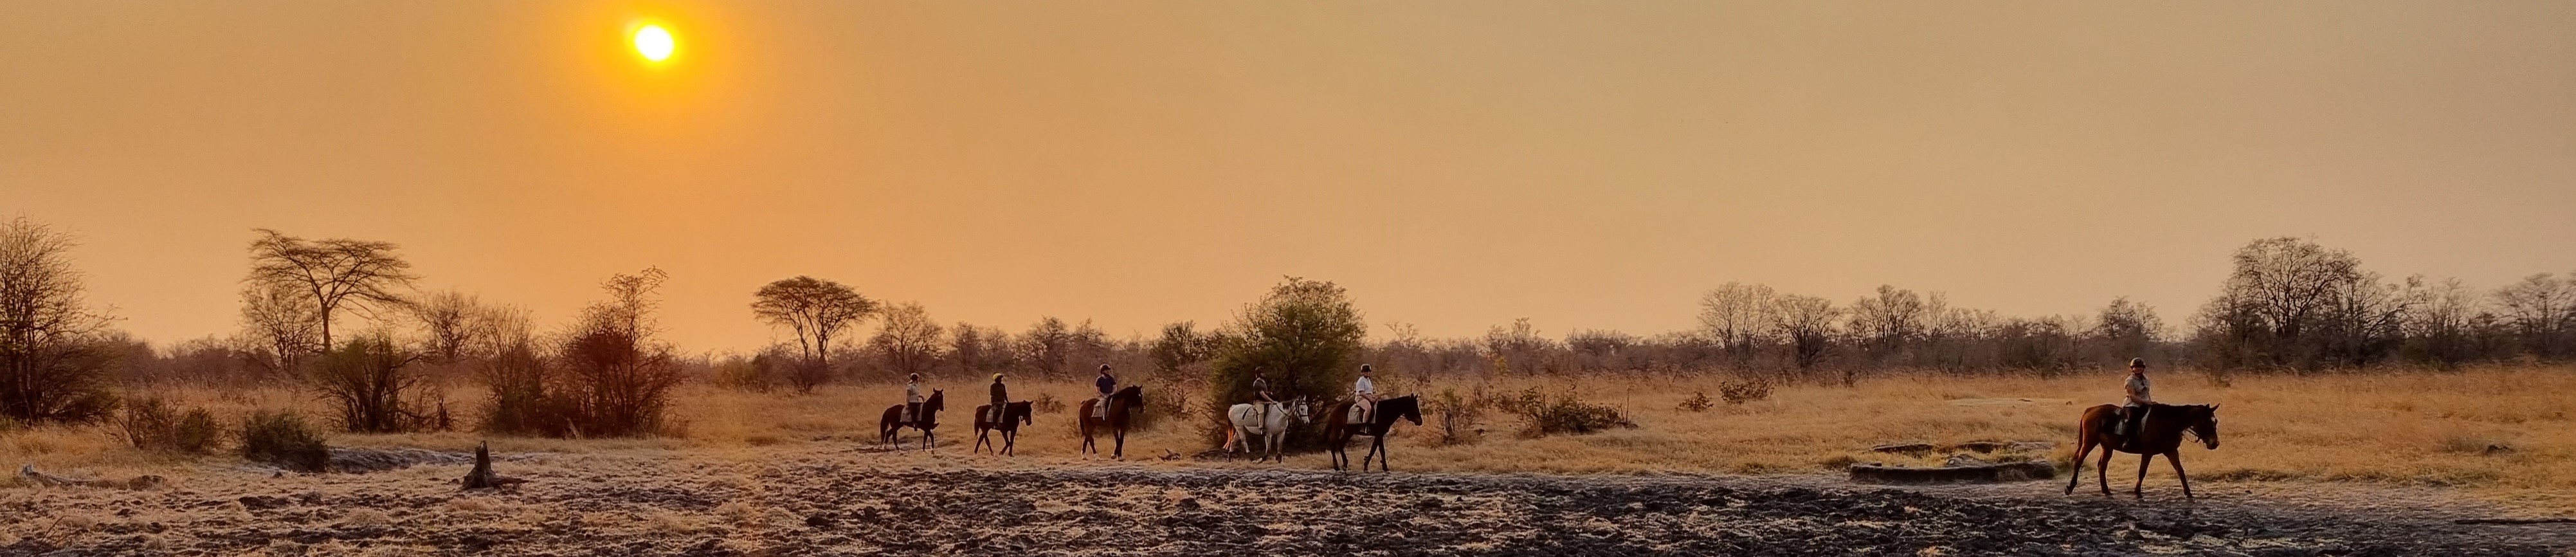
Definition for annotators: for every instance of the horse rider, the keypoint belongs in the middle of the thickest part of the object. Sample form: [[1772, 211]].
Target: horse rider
[[1001, 400], [2138, 399], [1364, 395], [1108, 386], [912, 398], [1261, 395]]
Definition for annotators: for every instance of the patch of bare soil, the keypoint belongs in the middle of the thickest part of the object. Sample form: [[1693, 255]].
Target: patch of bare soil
[[841, 502]]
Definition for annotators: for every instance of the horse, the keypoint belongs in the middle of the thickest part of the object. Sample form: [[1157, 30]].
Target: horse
[[1338, 430], [893, 423], [1122, 406], [2160, 433], [1014, 414], [1248, 421]]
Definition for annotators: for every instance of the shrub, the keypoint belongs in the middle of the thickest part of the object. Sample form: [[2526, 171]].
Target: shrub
[[1742, 391], [369, 377], [1304, 335], [1564, 413], [1046, 404], [1458, 416], [153, 424], [1698, 402], [284, 439]]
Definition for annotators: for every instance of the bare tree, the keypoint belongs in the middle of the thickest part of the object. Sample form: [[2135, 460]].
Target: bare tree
[[1807, 323], [450, 321], [280, 327], [1046, 348], [2540, 309], [50, 368], [2129, 328], [976, 349], [1737, 316], [335, 274], [2281, 289], [909, 341], [816, 310], [1885, 323]]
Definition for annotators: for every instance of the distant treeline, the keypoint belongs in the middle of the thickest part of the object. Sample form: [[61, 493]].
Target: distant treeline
[[341, 317]]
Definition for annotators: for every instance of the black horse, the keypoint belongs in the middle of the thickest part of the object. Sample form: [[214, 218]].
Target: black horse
[[1014, 415], [1337, 432], [892, 424]]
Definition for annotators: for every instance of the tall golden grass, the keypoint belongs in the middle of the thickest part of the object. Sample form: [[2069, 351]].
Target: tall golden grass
[[2503, 433]]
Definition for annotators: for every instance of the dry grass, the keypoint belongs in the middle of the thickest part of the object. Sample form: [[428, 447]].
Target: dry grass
[[2500, 433]]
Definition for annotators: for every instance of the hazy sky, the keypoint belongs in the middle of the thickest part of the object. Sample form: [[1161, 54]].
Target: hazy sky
[[1454, 164]]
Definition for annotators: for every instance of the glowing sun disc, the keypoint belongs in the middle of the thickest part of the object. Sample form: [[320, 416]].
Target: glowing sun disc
[[654, 43]]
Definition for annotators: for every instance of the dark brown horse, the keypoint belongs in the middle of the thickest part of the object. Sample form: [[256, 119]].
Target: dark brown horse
[[1122, 407], [1338, 430], [893, 423], [2160, 434], [1014, 415]]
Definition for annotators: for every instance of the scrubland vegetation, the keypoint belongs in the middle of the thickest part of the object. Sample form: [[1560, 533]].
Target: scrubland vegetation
[[2326, 371]]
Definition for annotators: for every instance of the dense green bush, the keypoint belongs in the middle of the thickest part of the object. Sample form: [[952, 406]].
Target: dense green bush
[[1564, 413], [1304, 335]]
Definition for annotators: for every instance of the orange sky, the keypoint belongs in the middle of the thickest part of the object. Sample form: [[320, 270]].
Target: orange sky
[[1455, 164]]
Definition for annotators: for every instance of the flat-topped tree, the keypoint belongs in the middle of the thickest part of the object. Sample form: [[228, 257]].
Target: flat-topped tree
[[333, 274], [816, 310]]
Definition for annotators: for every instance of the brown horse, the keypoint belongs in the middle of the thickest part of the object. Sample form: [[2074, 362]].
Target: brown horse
[[1014, 414], [1122, 407], [893, 424], [2160, 434], [1338, 432]]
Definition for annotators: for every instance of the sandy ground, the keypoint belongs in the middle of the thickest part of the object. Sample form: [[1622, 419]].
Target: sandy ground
[[831, 499]]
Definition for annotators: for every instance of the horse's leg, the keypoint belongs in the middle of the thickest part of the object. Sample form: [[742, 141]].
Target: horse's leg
[[1378, 446], [1119, 452], [2102, 470], [2175, 458], [2140, 490], [2076, 476]]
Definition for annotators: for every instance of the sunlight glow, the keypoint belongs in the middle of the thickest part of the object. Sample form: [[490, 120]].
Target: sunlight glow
[[654, 43]]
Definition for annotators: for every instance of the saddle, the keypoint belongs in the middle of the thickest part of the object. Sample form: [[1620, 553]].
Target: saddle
[[1358, 414]]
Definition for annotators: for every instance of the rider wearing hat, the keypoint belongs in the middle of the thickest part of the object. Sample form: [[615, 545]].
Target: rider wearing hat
[[1261, 400]]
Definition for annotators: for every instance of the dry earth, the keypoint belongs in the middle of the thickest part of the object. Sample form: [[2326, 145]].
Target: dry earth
[[826, 500]]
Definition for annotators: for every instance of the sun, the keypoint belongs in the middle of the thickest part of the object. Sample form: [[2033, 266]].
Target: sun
[[654, 43]]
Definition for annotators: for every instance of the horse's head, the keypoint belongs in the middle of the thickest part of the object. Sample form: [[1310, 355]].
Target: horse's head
[[1020, 409], [1134, 394], [1302, 410], [1408, 407], [936, 403], [2204, 425]]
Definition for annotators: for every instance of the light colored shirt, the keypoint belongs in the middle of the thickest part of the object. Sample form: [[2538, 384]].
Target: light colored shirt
[[2139, 391], [912, 393], [1364, 386]]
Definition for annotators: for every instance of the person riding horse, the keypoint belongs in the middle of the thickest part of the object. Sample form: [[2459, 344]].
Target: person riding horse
[[1364, 395], [2138, 402], [1108, 386], [912, 398], [1261, 399], [1001, 399]]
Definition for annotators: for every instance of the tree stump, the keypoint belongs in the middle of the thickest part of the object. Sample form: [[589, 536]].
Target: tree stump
[[482, 476]]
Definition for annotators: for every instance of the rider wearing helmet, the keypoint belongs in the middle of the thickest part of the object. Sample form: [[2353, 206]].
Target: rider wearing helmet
[[1364, 394], [2138, 399], [1108, 386]]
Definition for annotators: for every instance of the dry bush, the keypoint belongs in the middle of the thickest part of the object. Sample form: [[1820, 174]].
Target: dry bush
[[1458, 416], [369, 378], [1740, 391], [1699, 402], [154, 424], [1046, 404], [283, 439], [1564, 413]]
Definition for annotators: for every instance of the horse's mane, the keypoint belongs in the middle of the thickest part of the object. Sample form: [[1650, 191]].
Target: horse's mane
[[1130, 390]]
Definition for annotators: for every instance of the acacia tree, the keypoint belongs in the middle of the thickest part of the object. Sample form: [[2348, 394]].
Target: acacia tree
[[816, 310], [333, 274], [50, 366], [909, 341]]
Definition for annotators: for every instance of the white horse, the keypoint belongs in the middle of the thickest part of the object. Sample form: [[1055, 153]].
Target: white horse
[[1248, 421]]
